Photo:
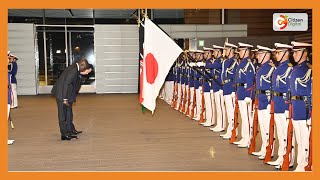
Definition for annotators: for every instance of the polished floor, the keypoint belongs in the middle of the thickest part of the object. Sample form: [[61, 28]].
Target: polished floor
[[117, 136]]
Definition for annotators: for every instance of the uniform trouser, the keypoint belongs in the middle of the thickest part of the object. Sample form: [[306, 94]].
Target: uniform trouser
[[264, 124], [246, 118], [230, 105], [198, 100], [282, 123], [302, 136], [213, 107], [163, 90], [183, 95], [179, 96], [208, 104], [63, 114], [187, 96], [14, 99], [191, 100], [220, 109], [169, 91]]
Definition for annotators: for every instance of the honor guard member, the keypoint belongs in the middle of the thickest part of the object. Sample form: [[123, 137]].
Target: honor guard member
[[279, 90], [229, 67], [263, 86], [183, 81], [191, 81], [10, 60], [178, 68], [300, 87], [12, 69], [244, 81], [198, 84], [169, 85], [208, 94], [186, 82], [217, 90]]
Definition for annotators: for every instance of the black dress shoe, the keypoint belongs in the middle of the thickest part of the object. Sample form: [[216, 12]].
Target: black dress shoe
[[76, 132], [68, 137]]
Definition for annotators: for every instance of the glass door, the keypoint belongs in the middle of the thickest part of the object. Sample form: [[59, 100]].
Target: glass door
[[59, 47]]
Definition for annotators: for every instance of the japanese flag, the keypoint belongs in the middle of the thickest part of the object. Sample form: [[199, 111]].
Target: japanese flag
[[160, 52]]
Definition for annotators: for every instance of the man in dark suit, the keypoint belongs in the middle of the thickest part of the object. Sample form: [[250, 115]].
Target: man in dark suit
[[65, 90]]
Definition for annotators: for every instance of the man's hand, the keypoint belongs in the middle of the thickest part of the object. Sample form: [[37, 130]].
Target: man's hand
[[65, 102]]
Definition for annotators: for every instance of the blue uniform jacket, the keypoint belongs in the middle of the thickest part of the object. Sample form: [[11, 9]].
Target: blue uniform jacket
[[197, 78], [170, 76], [245, 74], [280, 85], [206, 84], [300, 85], [12, 69], [263, 82], [9, 89], [191, 77], [216, 67], [229, 68]]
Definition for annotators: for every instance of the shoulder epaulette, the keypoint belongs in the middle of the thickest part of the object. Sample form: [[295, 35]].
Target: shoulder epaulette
[[271, 64], [309, 65]]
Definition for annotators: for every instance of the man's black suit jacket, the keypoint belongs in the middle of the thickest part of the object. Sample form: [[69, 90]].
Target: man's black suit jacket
[[68, 84]]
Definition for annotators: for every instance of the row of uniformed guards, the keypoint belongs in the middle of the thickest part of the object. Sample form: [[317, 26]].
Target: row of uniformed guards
[[222, 79]]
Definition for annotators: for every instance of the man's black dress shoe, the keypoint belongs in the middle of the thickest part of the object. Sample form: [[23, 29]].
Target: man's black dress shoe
[[76, 132], [68, 137]]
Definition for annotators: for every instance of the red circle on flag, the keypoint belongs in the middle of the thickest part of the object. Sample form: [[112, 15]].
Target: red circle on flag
[[151, 68]]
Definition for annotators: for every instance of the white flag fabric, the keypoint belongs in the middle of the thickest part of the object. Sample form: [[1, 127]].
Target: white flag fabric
[[160, 52]]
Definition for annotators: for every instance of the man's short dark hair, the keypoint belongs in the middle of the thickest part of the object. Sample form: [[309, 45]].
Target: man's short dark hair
[[83, 60]]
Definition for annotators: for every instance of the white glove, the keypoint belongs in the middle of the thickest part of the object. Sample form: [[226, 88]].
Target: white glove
[[221, 91], [286, 112], [269, 108], [309, 122], [247, 100], [233, 94], [200, 88]]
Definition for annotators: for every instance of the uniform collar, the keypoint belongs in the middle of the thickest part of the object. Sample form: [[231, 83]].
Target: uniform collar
[[231, 58], [284, 62]]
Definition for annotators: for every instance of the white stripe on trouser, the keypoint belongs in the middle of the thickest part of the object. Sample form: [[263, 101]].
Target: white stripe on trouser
[[209, 115], [191, 100], [179, 96], [220, 108], [264, 123], [302, 137], [198, 100], [245, 114], [187, 97], [230, 103], [14, 97], [213, 107], [169, 91]]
